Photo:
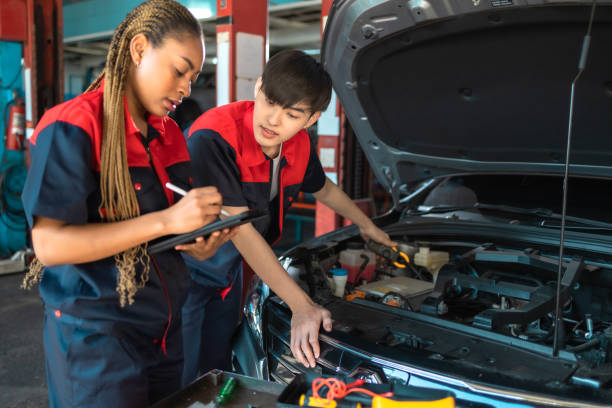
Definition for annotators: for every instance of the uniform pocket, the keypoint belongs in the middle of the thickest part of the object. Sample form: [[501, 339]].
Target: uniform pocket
[[149, 191]]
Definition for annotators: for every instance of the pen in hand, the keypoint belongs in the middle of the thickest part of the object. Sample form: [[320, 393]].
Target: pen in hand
[[182, 192]]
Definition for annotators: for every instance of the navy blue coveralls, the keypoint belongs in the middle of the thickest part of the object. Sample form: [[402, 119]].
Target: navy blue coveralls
[[98, 353], [225, 154]]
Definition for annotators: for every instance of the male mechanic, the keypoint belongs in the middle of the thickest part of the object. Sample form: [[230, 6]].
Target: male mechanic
[[258, 154]]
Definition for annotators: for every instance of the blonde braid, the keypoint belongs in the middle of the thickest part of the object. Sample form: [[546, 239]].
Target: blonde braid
[[156, 19], [118, 196]]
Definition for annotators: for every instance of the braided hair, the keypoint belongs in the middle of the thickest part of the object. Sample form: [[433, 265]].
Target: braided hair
[[157, 20]]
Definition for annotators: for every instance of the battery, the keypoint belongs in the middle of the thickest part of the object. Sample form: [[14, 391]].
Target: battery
[[402, 285]]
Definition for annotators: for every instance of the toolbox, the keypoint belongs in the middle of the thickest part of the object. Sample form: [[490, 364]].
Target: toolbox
[[252, 393], [203, 391]]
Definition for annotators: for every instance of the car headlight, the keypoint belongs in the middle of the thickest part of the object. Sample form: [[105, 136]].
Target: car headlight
[[257, 294], [253, 307]]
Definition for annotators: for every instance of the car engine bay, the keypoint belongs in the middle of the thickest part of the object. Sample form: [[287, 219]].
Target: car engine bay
[[504, 293]]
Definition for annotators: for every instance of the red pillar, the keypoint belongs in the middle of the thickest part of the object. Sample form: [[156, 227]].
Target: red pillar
[[242, 28], [45, 66], [330, 143], [13, 25]]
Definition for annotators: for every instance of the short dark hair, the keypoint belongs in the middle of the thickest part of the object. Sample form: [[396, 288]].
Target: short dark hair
[[292, 76]]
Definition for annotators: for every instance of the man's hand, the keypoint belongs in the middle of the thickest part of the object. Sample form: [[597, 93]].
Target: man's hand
[[333, 197], [204, 249], [307, 316], [305, 324], [372, 232]]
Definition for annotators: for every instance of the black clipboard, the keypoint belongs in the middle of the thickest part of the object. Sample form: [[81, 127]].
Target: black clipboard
[[229, 222]]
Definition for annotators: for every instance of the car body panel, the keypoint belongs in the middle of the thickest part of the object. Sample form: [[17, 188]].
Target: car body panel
[[437, 88]]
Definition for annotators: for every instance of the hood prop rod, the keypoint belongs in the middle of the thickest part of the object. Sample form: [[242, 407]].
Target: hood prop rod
[[586, 42]]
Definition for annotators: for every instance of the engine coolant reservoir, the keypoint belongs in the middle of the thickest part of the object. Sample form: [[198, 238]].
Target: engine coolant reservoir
[[432, 260], [354, 258]]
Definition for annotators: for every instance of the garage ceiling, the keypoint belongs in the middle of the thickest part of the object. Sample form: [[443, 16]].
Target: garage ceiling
[[292, 24]]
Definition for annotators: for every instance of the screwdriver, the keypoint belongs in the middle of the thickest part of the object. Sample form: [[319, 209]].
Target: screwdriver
[[381, 402], [226, 391], [306, 401]]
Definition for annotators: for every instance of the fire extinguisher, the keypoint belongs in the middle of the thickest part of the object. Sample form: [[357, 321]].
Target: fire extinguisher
[[15, 129]]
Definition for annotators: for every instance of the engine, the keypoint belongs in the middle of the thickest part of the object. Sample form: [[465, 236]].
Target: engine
[[502, 290]]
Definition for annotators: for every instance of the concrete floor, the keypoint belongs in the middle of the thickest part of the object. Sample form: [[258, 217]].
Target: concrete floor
[[22, 367]]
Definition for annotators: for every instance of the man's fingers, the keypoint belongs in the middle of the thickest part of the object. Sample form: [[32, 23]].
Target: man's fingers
[[307, 351], [296, 350], [327, 321], [381, 237], [388, 239], [313, 339], [301, 349]]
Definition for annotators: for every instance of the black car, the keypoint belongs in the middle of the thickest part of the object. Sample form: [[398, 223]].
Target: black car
[[462, 108]]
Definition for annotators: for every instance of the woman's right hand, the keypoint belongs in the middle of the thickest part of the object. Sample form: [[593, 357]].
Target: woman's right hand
[[199, 207]]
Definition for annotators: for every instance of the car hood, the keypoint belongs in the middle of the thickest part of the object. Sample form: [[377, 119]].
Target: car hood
[[445, 87]]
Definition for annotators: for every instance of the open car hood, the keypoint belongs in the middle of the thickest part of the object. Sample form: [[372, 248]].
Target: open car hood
[[450, 87]]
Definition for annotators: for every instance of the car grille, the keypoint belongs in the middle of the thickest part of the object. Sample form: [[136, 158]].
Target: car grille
[[342, 357]]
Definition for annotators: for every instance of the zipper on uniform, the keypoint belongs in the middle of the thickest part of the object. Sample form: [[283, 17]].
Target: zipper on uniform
[[270, 176], [163, 282], [145, 143]]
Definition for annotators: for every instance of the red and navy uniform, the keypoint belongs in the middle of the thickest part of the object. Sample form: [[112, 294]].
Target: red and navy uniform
[[98, 353], [225, 154]]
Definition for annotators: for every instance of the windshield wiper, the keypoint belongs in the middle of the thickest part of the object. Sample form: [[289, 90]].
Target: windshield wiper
[[542, 213]]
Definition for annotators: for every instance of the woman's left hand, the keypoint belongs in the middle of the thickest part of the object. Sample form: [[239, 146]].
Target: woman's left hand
[[205, 248]]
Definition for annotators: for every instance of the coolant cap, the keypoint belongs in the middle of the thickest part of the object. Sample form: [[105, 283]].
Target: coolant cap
[[338, 272]]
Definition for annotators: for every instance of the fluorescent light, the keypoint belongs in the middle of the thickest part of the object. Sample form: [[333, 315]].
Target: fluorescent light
[[201, 12]]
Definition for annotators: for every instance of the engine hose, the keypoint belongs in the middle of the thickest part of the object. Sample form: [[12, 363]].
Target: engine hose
[[585, 346], [366, 261]]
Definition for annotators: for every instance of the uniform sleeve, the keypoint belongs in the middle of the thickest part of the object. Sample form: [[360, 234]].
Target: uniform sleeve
[[60, 177], [314, 178], [213, 161]]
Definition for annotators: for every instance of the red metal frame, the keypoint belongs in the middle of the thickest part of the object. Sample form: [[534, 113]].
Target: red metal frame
[[43, 55], [13, 20]]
